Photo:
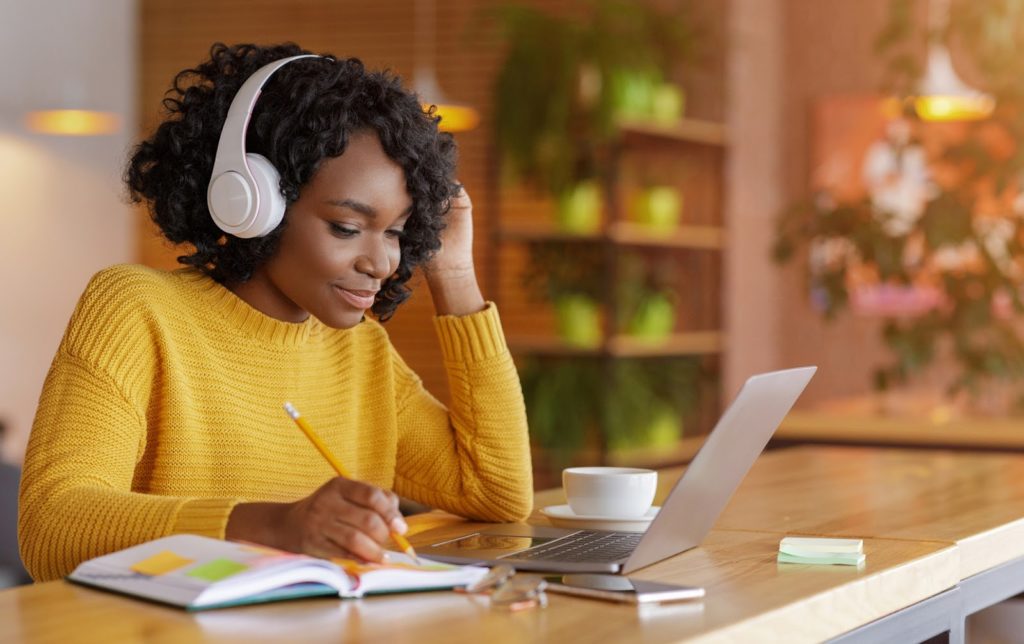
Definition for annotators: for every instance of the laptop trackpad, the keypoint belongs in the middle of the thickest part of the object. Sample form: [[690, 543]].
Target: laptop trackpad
[[500, 539]]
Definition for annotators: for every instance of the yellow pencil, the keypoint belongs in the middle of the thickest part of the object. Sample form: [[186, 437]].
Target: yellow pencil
[[307, 429]]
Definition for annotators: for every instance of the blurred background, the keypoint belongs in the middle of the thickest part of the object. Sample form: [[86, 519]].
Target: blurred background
[[669, 196]]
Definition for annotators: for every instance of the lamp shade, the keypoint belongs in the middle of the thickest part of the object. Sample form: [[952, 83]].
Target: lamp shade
[[455, 117], [942, 96]]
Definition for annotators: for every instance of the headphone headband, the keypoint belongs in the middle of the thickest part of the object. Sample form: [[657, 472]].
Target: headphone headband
[[237, 195]]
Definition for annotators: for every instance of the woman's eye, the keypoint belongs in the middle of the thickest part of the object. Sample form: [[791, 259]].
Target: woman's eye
[[395, 233], [342, 231]]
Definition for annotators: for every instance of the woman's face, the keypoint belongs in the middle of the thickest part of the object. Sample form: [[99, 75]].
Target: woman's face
[[341, 241]]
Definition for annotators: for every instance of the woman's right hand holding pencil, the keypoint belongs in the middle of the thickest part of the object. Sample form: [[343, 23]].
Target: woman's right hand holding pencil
[[343, 518]]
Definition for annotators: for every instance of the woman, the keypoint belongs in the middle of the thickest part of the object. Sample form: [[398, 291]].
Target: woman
[[162, 412]]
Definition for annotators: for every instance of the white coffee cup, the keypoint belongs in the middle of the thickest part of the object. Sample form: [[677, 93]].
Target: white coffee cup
[[619, 492]]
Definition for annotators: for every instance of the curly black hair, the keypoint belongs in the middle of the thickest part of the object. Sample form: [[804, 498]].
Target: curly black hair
[[306, 113]]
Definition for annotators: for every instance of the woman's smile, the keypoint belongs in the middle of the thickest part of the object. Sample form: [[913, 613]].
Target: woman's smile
[[361, 299]]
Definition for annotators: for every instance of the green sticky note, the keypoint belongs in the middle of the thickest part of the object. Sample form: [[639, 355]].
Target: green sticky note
[[216, 570], [828, 560]]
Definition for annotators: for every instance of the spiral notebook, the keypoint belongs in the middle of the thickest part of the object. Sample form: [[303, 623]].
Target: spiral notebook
[[198, 573]]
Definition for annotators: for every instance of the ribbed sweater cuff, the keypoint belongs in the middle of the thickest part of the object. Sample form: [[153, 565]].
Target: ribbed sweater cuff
[[207, 517], [472, 337]]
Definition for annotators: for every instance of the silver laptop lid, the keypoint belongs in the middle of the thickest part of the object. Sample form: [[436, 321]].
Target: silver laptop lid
[[703, 491]]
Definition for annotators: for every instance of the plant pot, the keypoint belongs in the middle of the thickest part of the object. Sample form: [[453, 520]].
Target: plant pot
[[663, 431], [668, 102], [654, 319], [579, 320], [659, 207], [633, 93], [579, 208]]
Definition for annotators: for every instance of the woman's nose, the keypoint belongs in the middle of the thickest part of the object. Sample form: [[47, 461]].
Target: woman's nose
[[377, 259]]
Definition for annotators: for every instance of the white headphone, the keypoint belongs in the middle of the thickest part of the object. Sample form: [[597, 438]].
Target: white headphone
[[244, 195]]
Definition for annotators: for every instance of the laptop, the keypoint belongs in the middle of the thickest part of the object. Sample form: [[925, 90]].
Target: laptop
[[685, 518]]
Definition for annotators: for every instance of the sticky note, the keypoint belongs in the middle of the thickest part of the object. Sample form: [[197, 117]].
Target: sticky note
[[835, 559], [800, 545], [161, 563], [216, 570]]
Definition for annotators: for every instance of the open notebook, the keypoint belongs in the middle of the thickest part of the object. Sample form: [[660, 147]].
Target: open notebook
[[197, 573]]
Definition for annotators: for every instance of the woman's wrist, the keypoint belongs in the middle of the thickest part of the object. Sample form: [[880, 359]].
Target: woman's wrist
[[455, 291], [257, 522]]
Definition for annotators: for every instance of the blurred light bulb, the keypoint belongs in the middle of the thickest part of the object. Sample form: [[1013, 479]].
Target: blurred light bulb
[[72, 122]]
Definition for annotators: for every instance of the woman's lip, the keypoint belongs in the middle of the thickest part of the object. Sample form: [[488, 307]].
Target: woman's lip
[[359, 299]]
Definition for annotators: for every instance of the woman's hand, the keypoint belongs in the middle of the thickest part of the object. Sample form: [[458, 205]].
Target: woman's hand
[[456, 254], [451, 275], [344, 518]]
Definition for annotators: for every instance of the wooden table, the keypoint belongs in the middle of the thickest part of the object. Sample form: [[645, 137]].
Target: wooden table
[[972, 499], [931, 522], [749, 596]]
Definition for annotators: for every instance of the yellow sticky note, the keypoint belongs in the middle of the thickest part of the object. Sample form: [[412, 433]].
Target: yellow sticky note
[[161, 563]]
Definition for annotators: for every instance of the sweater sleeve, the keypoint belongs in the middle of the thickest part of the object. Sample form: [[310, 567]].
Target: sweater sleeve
[[474, 459], [76, 499]]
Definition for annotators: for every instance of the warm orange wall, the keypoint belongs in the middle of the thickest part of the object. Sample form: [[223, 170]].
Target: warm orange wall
[[828, 50]]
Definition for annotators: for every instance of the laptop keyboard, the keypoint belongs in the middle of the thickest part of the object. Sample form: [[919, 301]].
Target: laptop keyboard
[[585, 546]]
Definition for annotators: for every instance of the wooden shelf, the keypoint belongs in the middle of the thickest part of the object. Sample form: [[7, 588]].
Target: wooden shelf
[[682, 344], [623, 233], [633, 234], [550, 346], [623, 346], [543, 231], [683, 131]]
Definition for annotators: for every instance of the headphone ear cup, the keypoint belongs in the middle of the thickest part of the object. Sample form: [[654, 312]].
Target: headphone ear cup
[[271, 200]]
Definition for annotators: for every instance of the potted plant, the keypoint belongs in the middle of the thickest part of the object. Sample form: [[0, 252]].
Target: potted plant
[[646, 299], [615, 404], [569, 276], [960, 253], [610, 406], [565, 83]]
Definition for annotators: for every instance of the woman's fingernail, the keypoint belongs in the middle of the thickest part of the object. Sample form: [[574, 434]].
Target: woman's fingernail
[[398, 525]]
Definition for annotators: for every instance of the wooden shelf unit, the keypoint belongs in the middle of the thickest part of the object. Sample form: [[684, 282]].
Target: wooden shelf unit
[[683, 131], [623, 233], [624, 346], [689, 156]]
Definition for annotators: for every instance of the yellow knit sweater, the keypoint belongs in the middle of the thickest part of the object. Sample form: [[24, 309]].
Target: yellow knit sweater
[[162, 410]]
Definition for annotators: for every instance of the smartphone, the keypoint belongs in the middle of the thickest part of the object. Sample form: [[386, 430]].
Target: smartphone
[[621, 589]]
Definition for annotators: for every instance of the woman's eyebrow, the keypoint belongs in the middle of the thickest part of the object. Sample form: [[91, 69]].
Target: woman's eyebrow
[[352, 204], [360, 207]]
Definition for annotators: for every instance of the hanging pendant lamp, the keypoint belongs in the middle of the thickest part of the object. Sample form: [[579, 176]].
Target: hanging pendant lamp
[[942, 95], [72, 122], [455, 117]]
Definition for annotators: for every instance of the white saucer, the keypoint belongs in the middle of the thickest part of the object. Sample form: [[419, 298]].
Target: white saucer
[[562, 516]]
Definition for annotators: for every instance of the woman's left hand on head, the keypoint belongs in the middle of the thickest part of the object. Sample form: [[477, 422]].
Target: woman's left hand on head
[[455, 259]]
